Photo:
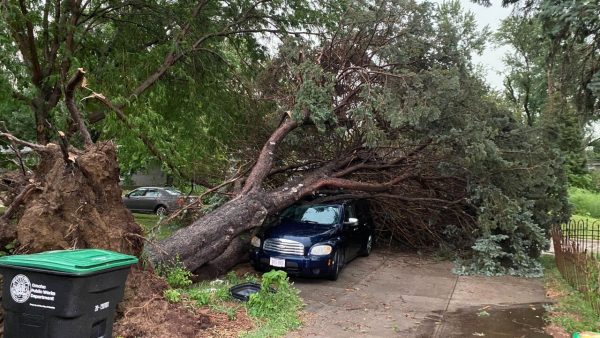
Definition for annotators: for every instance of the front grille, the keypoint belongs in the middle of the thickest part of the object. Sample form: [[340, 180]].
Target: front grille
[[284, 246]]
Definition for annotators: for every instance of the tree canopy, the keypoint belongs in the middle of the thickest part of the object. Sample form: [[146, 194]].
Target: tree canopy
[[376, 100]]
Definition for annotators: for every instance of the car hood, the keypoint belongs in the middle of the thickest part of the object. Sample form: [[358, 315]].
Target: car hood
[[305, 233]]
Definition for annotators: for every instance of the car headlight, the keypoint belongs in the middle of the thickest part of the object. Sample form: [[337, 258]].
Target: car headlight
[[255, 241], [321, 250]]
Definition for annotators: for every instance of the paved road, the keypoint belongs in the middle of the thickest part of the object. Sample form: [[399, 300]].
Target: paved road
[[391, 294]]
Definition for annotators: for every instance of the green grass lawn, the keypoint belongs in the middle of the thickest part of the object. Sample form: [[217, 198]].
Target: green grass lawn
[[149, 223]]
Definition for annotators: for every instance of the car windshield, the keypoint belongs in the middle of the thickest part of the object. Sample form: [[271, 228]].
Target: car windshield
[[173, 192], [313, 214]]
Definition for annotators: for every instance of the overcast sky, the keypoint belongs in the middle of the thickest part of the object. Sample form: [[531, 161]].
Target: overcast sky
[[491, 59]]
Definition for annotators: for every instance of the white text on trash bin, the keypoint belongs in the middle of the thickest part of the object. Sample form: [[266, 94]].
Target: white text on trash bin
[[101, 306]]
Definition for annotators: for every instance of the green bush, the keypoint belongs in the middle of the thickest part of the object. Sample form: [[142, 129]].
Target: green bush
[[172, 296], [276, 305], [176, 274], [585, 202], [201, 296]]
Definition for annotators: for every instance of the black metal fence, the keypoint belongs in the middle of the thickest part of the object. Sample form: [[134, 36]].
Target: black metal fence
[[577, 251]]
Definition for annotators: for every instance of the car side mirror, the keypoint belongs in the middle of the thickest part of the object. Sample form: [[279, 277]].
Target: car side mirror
[[351, 222]]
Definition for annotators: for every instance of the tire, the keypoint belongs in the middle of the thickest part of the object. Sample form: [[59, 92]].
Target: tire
[[161, 210], [368, 247], [337, 263]]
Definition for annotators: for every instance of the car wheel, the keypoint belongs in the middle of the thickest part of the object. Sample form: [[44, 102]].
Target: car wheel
[[161, 210], [337, 266], [366, 250]]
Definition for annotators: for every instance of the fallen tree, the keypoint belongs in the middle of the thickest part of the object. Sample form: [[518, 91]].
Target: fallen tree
[[381, 103], [376, 111]]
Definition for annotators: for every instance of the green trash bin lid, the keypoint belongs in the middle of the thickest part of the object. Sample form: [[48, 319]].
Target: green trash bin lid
[[75, 262]]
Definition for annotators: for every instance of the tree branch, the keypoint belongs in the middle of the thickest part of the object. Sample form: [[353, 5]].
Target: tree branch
[[34, 146], [35, 63], [73, 83], [265, 159], [19, 199], [396, 162], [358, 186]]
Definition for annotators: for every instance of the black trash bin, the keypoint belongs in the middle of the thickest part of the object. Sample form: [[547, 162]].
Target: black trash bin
[[63, 294]]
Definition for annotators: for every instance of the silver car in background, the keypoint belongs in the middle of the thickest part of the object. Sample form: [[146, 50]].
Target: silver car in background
[[156, 200]]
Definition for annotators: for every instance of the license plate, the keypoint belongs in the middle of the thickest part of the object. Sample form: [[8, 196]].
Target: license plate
[[278, 262]]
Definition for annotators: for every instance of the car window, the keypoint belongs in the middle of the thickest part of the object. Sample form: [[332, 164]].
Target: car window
[[349, 212], [173, 192], [319, 214], [137, 193], [152, 193]]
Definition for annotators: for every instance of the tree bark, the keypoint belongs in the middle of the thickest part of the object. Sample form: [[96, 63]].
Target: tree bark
[[208, 237], [236, 252]]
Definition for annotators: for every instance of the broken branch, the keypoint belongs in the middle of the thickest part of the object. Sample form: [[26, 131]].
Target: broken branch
[[73, 83], [34, 146], [19, 199]]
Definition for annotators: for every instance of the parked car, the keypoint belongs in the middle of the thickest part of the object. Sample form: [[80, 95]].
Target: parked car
[[156, 200], [315, 240]]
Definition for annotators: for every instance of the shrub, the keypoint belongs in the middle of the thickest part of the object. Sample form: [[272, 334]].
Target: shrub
[[585, 202], [277, 304], [172, 296], [177, 275]]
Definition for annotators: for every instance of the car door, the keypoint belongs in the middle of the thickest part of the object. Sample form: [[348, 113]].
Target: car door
[[133, 201], [351, 232], [365, 226], [150, 200]]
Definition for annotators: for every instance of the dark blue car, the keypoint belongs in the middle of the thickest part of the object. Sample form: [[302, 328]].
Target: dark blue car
[[315, 240]]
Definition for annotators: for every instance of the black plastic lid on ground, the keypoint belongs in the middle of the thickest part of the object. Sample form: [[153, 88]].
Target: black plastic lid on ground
[[243, 291]]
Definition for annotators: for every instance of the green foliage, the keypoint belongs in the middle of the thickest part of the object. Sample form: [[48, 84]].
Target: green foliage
[[172, 295], [176, 274], [512, 182], [230, 311], [519, 194], [217, 291], [278, 309], [525, 85], [585, 202], [8, 248], [201, 296], [571, 311], [275, 308]]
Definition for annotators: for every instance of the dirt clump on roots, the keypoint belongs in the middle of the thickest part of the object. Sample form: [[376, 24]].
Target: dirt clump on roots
[[145, 313], [77, 203]]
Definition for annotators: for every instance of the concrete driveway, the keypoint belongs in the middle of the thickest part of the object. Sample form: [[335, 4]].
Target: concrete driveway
[[393, 294]]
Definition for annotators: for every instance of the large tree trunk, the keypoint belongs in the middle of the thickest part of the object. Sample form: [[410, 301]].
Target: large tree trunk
[[213, 242], [208, 237]]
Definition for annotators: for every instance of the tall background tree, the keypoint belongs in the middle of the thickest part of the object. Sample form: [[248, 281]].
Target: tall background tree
[[555, 72]]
